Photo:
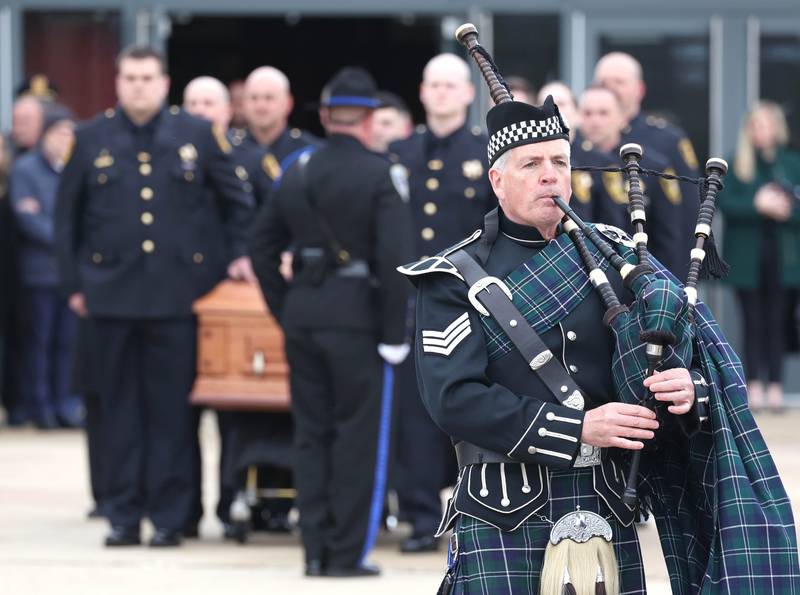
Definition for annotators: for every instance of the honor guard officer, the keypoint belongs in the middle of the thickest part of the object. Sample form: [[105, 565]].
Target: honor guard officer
[[208, 98], [392, 122], [623, 73], [598, 144], [345, 210], [450, 194], [140, 236], [268, 145]]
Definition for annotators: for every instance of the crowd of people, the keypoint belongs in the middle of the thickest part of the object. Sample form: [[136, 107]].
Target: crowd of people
[[111, 228]]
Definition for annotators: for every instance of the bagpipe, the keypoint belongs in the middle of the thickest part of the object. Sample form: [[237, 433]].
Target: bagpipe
[[665, 326]]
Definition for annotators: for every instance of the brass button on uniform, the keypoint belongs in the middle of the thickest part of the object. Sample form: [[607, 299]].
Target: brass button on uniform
[[572, 336], [145, 169], [147, 218], [435, 164], [146, 193], [189, 176], [573, 368], [432, 184], [143, 157], [532, 450], [97, 258], [102, 178], [427, 234], [197, 257], [430, 208], [469, 192], [148, 246]]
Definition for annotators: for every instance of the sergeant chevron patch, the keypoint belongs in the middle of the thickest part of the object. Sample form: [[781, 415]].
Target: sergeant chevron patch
[[444, 342]]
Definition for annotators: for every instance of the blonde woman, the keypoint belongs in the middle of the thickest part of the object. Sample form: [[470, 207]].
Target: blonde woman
[[762, 245]]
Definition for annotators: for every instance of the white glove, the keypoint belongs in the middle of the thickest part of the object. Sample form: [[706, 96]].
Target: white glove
[[394, 354]]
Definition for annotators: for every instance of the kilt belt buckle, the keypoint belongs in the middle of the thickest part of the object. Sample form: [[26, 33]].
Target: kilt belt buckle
[[481, 285], [588, 456]]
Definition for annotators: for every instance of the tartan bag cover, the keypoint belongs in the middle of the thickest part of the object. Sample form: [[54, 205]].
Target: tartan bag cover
[[725, 521]]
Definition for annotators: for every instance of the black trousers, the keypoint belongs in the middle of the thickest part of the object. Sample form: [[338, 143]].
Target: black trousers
[[336, 379], [765, 317], [425, 456], [146, 371]]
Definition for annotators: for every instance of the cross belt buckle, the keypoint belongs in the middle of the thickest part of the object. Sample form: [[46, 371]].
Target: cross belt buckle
[[482, 284]]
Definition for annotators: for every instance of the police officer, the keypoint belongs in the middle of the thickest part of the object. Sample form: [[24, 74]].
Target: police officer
[[139, 238], [623, 73], [450, 194], [598, 144], [344, 209], [391, 122], [268, 145], [208, 98]]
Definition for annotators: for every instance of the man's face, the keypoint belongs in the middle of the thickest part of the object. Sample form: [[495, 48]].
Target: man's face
[[209, 104], [388, 125], [532, 176], [620, 76], [27, 121], [445, 92], [141, 85], [266, 104], [601, 118], [58, 140]]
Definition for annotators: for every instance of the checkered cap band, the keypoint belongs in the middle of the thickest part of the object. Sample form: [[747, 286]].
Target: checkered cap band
[[512, 134]]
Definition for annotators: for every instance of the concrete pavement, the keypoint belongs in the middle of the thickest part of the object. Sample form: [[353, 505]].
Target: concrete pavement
[[47, 547]]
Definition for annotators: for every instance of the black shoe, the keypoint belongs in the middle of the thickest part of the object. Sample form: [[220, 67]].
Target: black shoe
[[165, 538], [123, 536], [353, 572], [315, 568], [191, 531], [415, 545], [98, 512], [46, 422]]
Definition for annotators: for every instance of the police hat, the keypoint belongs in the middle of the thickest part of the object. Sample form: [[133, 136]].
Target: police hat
[[39, 86], [352, 87], [513, 124]]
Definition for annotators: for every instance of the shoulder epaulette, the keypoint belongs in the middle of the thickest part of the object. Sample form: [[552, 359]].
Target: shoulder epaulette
[[438, 263]]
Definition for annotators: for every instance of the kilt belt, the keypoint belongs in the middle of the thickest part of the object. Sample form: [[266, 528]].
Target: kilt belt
[[469, 454]]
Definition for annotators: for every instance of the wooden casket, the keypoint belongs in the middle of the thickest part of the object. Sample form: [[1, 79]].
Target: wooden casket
[[241, 364]]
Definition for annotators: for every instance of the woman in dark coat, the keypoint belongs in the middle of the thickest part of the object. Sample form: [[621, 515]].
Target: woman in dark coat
[[762, 245]]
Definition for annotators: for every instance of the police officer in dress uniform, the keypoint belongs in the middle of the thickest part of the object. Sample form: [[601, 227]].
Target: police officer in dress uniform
[[345, 210], [139, 238], [606, 193], [623, 73], [208, 98], [526, 454], [450, 194], [268, 146]]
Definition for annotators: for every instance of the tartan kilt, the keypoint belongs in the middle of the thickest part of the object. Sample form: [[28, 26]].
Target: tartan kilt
[[494, 562]]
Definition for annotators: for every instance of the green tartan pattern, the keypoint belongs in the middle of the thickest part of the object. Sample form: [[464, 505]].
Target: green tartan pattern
[[724, 518], [495, 562]]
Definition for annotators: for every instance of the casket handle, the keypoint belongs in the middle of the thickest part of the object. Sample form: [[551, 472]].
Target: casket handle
[[259, 363]]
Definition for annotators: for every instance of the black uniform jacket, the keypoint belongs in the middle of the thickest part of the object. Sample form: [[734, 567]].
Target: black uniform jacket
[[450, 191], [356, 192], [656, 134], [265, 164], [603, 197], [501, 405], [148, 217]]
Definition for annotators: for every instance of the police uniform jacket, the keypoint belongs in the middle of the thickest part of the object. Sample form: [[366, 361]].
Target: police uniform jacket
[[265, 164], [656, 134], [450, 191], [603, 197], [356, 192], [501, 405], [137, 230]]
